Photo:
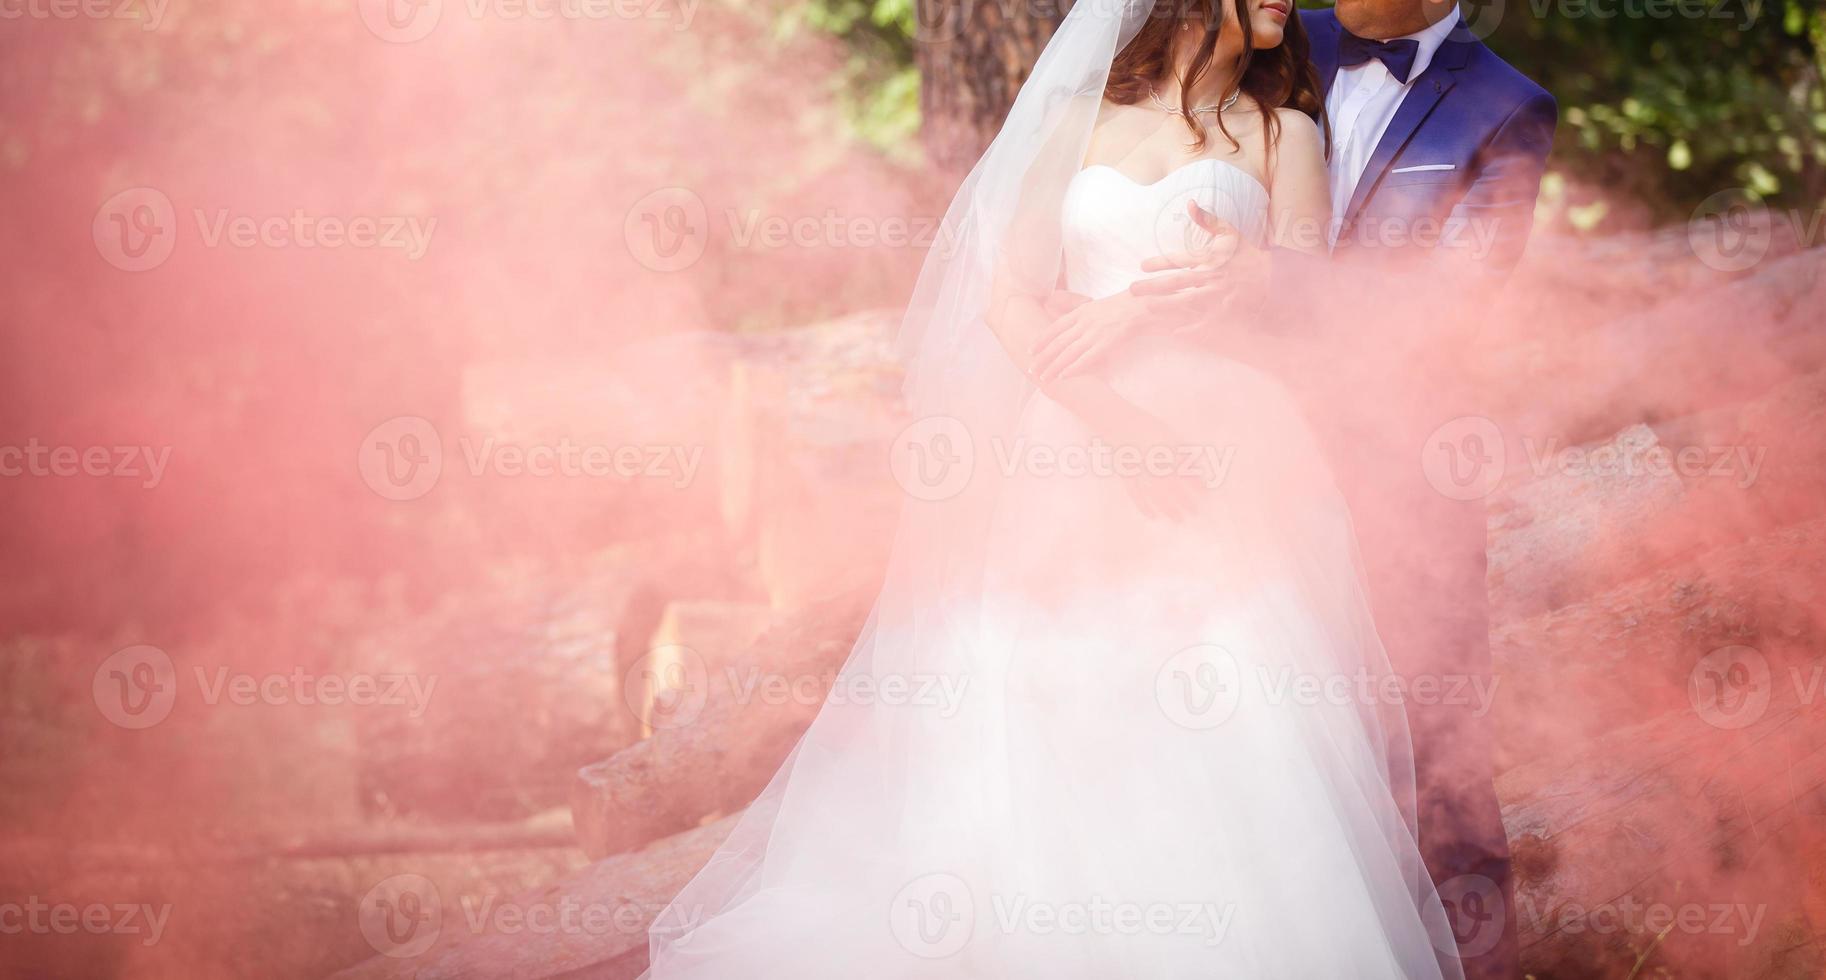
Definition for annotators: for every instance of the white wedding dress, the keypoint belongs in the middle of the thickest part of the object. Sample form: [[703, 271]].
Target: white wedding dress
[[1138, 782]]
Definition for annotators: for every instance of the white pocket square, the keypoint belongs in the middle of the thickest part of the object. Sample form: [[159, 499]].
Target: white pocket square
[[1424, 166]]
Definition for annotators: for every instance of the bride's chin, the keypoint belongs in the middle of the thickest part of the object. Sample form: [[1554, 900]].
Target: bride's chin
[[1268, 33]]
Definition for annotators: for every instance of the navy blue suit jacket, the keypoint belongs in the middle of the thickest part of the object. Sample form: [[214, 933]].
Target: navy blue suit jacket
[[1481, 131]]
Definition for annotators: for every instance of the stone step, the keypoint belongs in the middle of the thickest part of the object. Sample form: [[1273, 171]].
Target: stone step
[[805, 486], [1577, 355], [694, 636], [528, 681], [1685, 842], [1578, 520], [1629, 653], [731, 724], [288, 918], [594, 920]]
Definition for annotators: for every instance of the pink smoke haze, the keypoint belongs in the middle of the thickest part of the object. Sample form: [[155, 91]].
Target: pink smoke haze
[[384, 398]]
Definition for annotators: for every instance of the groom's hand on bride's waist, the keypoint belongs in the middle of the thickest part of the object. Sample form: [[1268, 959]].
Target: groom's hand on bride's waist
[[1193, 289]]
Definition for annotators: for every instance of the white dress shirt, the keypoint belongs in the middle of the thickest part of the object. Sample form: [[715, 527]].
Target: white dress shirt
[[1362, 102]]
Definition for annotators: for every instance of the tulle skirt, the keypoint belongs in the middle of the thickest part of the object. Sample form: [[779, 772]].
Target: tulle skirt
[[1115, 746]]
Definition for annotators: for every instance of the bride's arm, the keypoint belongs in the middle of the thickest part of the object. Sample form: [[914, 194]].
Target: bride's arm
[[1299, 201], [1019, 320], [1026, 273]]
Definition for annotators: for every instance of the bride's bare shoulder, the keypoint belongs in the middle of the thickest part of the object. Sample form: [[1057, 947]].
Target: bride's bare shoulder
[[1299, 139], [1298, 129]]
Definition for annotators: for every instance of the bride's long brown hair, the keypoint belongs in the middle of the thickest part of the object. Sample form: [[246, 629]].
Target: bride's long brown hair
[[1278, 77]]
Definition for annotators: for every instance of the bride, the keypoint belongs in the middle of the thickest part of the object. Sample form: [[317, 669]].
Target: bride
[[1174, 754]]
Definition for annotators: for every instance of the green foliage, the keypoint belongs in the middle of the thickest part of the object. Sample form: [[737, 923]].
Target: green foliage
[[1671, 101], [1665, 101], [877, 87]]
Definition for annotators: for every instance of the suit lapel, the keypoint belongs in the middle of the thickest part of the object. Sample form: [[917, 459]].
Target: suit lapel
[[1325, 56], [1427, 90]]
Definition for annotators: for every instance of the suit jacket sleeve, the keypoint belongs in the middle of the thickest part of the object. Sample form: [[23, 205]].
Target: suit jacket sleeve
[[1500, 202]]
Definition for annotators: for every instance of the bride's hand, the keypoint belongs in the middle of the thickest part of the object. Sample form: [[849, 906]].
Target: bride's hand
[[1084, 335]]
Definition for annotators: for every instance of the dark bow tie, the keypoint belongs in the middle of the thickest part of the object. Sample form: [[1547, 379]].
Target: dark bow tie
[[1397, 56]]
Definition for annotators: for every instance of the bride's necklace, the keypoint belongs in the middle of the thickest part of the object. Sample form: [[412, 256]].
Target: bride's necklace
[[1176, 110]]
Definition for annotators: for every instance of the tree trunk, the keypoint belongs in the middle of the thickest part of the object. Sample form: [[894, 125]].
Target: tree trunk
[[973, 56]]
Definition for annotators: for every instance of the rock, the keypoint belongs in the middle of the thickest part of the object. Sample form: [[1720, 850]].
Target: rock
[[1626, 655], [280, 917], [1679, 844], [720, 741], [601, 915], [647, 410], [805, 485], [692, 636], [1757, 465], [1635, 346], [1575, 529], [1576, 521], [528, 682]]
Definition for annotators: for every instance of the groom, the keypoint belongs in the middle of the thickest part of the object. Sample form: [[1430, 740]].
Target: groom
[[1438, 152], [1438, 147], [1437, 156]]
